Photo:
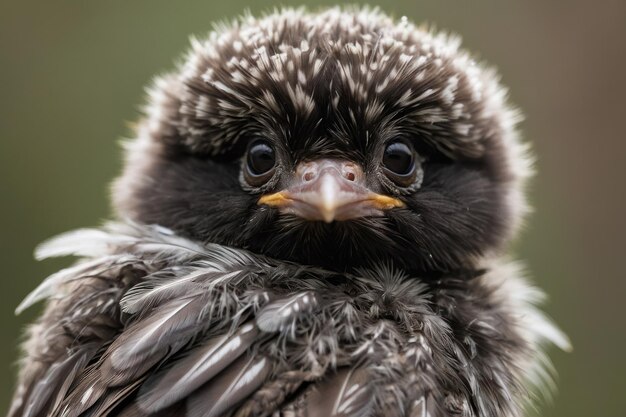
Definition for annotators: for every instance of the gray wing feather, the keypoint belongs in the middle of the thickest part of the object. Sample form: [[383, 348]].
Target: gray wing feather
[[107, 404], [426, 406], [49, 286], [348, 393], [49, 391], [157, 290], [280, 313], [87, 392], [271, 397], [229, 388], [168, 327], [191, 372]]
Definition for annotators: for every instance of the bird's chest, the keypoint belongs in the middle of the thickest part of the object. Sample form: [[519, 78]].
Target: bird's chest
[[240, 334]]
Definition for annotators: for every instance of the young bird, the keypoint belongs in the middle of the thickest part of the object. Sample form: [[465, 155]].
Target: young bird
[[312, 221]]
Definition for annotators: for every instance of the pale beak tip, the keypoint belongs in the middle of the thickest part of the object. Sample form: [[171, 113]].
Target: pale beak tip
[[328, 215]]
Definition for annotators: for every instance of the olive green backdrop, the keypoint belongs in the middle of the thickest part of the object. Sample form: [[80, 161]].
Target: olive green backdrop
[[72, 76]]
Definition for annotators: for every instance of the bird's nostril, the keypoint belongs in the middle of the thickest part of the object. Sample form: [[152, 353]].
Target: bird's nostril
[[349, 172]]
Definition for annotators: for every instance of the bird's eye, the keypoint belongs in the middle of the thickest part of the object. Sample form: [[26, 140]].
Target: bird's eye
[[260, 163], [399, 162]]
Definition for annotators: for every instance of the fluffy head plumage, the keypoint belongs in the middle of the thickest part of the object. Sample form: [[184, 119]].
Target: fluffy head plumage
[[334, 83]]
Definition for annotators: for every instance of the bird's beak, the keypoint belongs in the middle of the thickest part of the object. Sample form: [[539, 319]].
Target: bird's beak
[[329, 190]]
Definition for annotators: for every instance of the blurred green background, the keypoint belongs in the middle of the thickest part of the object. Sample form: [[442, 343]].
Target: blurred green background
[[72, 75]]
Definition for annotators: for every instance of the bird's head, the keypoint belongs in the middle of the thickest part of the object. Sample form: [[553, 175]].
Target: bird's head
[[337, 139]]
